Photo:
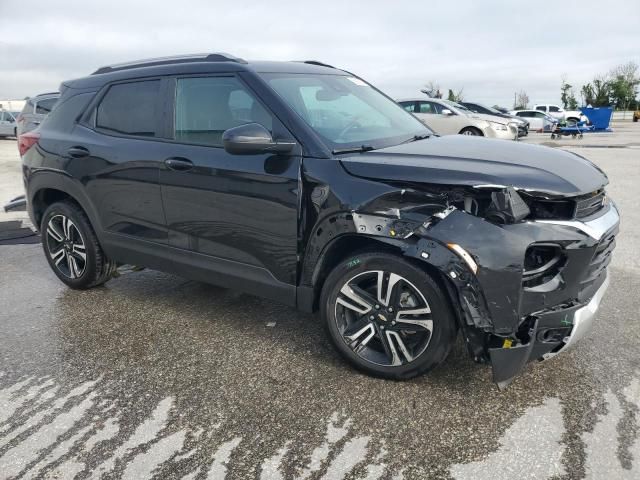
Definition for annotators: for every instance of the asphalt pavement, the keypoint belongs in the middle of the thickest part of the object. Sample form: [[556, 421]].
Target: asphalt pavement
[[156, 376]]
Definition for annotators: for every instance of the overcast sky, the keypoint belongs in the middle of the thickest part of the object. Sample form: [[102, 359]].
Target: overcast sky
[[489, 48]]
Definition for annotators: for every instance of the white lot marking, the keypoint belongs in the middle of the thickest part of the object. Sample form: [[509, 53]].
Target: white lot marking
[[61, 449], [376, 469], [354, 452], [145, 432], [534, 440], [602, 443], [16, 458], [144, 464], [270, 467], [109, 431], [8, 407], [7, 404], [218, 468], [334, 434], [192, 475], [39, 416]]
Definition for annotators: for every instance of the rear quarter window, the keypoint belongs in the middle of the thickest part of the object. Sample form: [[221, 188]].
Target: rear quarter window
[[45, 106], [130, 109]]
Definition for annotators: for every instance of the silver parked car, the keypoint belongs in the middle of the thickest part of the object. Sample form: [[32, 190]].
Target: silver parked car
[[35, 111], [538, 121], [7, 124], [449, 118]]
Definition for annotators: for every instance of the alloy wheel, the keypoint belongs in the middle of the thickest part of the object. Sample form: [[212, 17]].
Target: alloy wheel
[[383, 318], [66, 247]]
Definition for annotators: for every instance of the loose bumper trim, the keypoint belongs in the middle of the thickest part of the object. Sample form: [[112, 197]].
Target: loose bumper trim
[[582, 320]]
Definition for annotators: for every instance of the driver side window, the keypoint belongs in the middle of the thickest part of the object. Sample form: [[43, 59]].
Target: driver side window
[[428, 107], [207, 106]]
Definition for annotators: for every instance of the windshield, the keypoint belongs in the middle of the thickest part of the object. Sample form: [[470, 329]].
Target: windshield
[[491, 109], [346, 111], [457, 105]]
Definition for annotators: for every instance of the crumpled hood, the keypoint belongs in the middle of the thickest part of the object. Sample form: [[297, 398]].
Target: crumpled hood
[[472, 161]]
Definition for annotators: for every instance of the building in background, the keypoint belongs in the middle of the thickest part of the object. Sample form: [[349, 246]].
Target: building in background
[[12, 105]]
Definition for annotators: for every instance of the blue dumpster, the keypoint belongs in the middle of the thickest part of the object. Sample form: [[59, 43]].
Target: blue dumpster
[[600, 117]]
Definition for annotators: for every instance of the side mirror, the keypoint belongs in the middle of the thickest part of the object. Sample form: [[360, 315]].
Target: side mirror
[[252, 138], [446, 111]]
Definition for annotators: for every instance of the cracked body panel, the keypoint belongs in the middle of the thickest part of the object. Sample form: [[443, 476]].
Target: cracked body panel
[[508, 315]]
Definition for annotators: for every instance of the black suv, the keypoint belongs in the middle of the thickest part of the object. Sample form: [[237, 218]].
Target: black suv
[[303, 183]]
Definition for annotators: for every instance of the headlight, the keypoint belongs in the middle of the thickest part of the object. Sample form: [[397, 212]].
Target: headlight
[[498, 126]]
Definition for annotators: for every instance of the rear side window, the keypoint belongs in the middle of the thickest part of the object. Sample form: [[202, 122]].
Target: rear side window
[[130, 109], [542, 109], [44, 106], [554, 109]]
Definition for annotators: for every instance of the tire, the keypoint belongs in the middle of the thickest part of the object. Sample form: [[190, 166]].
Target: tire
[[375, 337], [67, 236], [471, 131]]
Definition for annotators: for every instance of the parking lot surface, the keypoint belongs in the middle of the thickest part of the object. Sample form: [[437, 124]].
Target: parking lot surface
[[154, 375]]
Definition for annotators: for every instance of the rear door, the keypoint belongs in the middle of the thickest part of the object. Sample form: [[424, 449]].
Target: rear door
[[237, 213], [117, 154]]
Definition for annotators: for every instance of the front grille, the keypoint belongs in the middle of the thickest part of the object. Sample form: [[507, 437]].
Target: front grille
[[589, 204], [600, 260]]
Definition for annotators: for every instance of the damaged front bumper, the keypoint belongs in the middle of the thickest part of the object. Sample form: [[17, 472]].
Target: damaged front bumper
[[508, 362], [509, 315]]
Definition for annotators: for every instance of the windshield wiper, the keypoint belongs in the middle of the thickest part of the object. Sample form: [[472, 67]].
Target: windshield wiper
[[417, 137], [360, 149]]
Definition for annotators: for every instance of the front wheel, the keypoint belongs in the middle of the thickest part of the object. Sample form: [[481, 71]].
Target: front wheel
[[71, 247], [386, 316], [471, 131]]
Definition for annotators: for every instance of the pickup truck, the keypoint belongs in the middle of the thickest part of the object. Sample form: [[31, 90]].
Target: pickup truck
[[560, 113]]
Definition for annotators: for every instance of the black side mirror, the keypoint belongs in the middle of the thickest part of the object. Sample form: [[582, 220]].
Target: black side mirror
[[253, 138]]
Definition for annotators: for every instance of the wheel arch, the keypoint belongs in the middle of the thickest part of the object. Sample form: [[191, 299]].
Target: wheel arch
[[46, 188], [472, 127]]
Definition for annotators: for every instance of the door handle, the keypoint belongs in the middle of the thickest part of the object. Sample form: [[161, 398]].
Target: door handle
[[178, 164], [78, 152]]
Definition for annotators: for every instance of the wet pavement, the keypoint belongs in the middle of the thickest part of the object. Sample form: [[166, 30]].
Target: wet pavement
[[156, 376]]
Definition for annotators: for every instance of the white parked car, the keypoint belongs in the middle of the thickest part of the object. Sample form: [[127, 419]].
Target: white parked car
[[7, 124], [450, 118], [538, 121], [559, 113]]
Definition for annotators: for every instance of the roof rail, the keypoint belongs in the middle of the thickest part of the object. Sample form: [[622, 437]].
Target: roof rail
[[151, 62], [320, 64]]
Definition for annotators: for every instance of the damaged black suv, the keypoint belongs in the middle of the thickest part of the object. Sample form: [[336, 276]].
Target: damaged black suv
[[302, 183]]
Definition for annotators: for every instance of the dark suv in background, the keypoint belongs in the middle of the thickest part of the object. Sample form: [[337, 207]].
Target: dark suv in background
[[302, 183], [35, 111]]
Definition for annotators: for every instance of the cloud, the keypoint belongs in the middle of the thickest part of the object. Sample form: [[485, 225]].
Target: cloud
[[490, 48]]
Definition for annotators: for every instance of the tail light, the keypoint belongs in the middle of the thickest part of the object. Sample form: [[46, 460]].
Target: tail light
[[26, 141]]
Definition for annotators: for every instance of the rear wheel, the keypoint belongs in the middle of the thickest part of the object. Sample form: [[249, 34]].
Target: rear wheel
[[71, 247], [386, 316], [471, 131]]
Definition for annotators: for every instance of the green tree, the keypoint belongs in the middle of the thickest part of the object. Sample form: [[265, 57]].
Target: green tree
[[623, 86], [455, 97], [567, 95], [601, 91]]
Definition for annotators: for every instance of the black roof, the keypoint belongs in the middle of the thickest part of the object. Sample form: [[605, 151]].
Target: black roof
[[198, 63]]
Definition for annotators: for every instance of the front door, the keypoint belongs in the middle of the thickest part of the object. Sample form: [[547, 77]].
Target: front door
[[237, 213]]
